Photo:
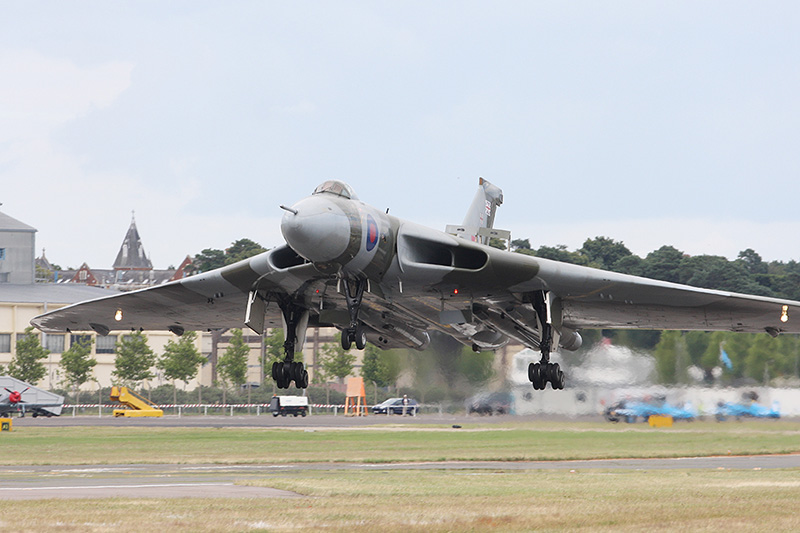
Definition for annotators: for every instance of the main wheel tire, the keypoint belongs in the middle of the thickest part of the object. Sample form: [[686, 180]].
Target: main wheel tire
[[275, 371], [297, 373], [535, 373], [286, 375], [560, 380]]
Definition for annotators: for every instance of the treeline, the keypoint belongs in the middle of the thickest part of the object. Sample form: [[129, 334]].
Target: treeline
[[748, 273], [682, 357]]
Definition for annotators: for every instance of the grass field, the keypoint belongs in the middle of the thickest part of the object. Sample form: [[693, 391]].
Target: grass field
[[475, 442], [438, 500]]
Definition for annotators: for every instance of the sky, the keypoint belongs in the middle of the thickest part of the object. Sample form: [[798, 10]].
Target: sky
[[652, 123]]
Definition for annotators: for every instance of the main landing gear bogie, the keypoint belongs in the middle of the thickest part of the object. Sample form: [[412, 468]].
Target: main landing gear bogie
[[540, 374], [544, 372], [284, 372]]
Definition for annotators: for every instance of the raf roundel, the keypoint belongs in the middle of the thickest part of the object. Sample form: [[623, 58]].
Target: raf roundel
[[372, 233]]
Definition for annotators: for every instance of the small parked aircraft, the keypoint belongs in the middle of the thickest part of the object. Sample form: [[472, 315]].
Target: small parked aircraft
[[18, 397]]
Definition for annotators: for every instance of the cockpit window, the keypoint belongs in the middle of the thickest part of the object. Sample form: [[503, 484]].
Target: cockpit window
[[336, 187]]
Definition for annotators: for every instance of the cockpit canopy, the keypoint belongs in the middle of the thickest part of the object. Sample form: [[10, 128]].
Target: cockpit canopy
[[339, 188]]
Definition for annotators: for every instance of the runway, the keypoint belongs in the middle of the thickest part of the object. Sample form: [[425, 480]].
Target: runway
[[224, 481], [268, 421]]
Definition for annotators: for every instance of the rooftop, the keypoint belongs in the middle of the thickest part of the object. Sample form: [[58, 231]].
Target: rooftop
[[66, 293], [8, 223]]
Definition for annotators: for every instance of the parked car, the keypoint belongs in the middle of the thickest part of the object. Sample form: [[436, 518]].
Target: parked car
[[395, 406], [289, 405], [489, 403]]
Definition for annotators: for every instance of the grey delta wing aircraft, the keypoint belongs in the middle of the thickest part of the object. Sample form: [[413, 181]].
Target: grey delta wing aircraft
[[388, 281]]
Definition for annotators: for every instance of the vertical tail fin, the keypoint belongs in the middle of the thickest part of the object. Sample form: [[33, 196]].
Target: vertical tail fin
[[479, 221], [481, 212]]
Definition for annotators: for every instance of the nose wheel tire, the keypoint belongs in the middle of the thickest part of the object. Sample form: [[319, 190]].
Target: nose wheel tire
[[360, 337], [357, 336], [346, 342]]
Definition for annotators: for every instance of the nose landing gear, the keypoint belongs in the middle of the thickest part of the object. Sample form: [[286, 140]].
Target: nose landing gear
[[356, 332]]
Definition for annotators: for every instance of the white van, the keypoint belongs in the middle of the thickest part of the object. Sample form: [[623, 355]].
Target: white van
[[289, 405]]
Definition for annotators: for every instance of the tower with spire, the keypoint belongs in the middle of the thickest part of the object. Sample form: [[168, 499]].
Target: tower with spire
[[131, 254]]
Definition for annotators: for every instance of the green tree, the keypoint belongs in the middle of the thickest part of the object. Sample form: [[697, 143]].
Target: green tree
[[335, 361], [663, 264], [26, 364], [381, 367], [762, 363], [134, 359], [500, 244], [209, 259], [181, 360], [476, 367], [604, 252], [630, 264], [671, 357], [752, 261], [520, 244], [737, 346], [77, 364], [716, 272], [242, 249], [560, 253], [232, 366], [273, 352]]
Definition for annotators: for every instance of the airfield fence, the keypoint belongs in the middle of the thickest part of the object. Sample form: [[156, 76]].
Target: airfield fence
[[198, 409]]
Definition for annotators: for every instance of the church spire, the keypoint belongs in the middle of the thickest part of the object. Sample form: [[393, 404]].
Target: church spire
[[131, 254]]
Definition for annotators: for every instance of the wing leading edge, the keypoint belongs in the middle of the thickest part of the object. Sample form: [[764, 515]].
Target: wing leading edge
[[210, 300]]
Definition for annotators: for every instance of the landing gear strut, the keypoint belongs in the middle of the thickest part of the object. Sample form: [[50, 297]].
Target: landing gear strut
[[544, 371], [356, 332], [295, 318]]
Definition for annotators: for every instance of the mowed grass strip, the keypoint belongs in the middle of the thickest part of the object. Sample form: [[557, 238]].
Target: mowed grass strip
[[568, 440], [433, 501]]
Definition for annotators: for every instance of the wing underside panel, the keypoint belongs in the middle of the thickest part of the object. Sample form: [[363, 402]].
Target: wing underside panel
[[726, 315]]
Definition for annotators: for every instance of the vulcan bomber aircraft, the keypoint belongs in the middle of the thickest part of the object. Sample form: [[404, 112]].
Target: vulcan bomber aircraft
[[388, 281]]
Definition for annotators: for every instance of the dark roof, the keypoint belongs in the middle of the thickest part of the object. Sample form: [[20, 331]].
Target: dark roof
[[131, 254], [8, 223], [66, 293], [121, 278]]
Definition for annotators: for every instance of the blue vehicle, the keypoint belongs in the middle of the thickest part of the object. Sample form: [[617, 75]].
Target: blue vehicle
[[746, 408], [631, 409]]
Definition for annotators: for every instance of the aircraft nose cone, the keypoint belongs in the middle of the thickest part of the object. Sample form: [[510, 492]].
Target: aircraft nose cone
[[316, 229]]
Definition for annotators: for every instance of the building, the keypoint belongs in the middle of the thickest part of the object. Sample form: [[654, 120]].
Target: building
[[31, 286], [132, 268], [16, 251]]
